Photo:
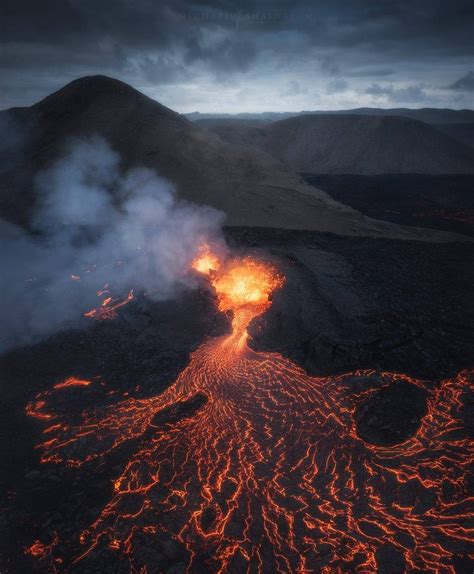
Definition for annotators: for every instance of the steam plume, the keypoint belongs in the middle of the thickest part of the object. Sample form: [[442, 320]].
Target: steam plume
[[92, 221]]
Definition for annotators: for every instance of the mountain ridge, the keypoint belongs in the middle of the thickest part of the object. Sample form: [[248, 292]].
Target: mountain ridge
[[250, 186], [428, 115], [351, 144]]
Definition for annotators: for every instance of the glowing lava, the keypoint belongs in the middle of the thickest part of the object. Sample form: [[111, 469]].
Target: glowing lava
[[109, 307], [246, 282], [206, 262], [72, 382], [269, 474]]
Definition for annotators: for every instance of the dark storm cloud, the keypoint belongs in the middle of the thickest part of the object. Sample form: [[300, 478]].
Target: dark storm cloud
[[365, 71], [409, 94], [199, 44], [466, 83], [337, 85]]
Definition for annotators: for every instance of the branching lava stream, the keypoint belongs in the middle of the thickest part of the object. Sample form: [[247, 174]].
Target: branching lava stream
[[268, 474]]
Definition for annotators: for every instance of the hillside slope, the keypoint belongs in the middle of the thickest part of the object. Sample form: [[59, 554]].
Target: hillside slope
[[460, 132], [250, 187], [352, 144]]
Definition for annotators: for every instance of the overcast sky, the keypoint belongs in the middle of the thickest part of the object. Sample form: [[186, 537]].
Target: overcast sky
[[245, 56]]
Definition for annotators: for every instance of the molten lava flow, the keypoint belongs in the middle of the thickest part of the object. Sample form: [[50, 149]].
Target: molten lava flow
[[108, 308], [40, 550], [72, 382], [269, 474], [244, 287], [44, 553]]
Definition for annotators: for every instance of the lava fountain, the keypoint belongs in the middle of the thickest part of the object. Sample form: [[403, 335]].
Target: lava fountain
[[268, 474], [244, 288]]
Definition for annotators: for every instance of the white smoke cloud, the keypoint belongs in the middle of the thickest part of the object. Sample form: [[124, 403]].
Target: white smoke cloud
[[92, 221]]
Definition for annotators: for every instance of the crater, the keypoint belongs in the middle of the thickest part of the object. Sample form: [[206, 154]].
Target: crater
[[391, 415]]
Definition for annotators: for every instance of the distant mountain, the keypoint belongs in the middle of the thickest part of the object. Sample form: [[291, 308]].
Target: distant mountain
[[351, 144], [265, 116], [427, 115], [250, 186]]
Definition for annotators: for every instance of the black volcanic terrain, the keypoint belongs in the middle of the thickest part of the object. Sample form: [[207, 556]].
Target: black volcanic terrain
[[389, 167], [435, 201], [371, 328]]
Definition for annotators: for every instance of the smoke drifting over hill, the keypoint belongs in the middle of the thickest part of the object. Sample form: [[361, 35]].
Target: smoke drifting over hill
[[93, 226]]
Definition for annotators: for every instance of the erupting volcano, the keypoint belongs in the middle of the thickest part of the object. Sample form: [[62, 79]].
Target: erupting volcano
[[266, 473]]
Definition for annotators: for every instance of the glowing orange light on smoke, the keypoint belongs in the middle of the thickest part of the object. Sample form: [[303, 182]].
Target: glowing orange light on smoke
[[206, 261]]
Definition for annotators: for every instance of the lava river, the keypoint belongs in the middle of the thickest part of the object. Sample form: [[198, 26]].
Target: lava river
[[268, 474]]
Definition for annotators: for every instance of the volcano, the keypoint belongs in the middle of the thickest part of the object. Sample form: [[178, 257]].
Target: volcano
[[299, 401], [267, 472]]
